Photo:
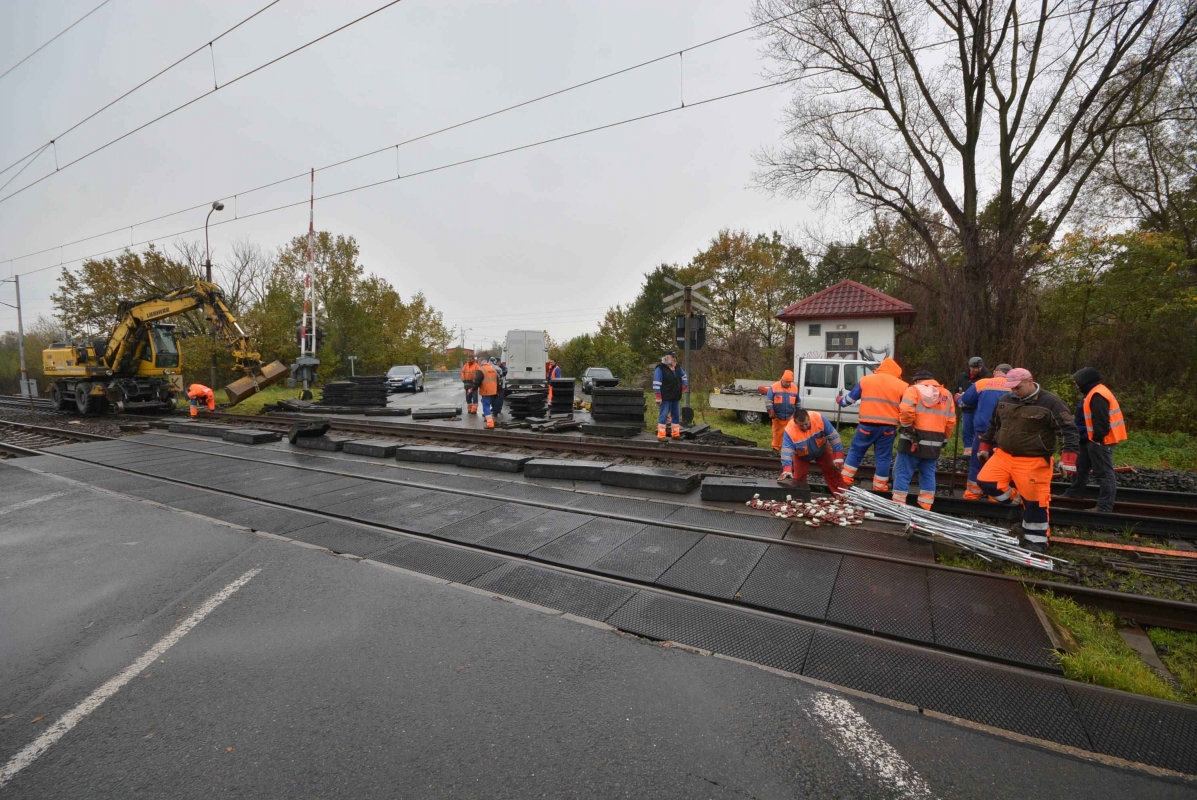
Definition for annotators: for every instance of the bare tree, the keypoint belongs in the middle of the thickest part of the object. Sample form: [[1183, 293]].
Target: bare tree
[[982, 120]]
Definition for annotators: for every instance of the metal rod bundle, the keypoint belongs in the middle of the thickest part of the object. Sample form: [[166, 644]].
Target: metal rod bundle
[[987, 541]]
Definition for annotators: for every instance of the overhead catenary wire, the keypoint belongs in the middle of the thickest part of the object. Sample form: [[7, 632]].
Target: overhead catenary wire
[[49, 41]]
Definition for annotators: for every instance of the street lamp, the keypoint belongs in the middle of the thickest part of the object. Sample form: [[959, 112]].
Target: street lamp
[[217, 206]]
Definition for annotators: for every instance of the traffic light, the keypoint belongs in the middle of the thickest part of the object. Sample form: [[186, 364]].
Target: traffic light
[[698, 331]]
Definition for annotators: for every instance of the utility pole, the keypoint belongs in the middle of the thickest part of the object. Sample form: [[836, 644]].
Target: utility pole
[[352, 359], [26, 389], [687, 301], [304, 369], [216, 206]]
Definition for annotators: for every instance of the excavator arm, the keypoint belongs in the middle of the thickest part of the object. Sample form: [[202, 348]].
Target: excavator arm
[[132, 332]]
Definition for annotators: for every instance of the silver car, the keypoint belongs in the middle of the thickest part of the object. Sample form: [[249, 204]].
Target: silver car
[[405, 379]]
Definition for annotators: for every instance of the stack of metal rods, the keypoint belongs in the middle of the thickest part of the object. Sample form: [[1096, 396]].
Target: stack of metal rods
[[987, 541], [1157, 566]]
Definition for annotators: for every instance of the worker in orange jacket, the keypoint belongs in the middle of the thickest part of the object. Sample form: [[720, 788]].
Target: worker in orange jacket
[[1101, 426], [487, 384], [927, 415], [469, 381], [551, 373], [198, 393], [880, 395], [782, 403], [810, 438]]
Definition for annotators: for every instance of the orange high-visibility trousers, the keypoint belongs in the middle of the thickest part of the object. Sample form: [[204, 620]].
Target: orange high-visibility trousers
[[1007, 478], [779, 430]]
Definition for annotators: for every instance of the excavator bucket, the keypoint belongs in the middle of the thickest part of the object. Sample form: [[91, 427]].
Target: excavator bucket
[[242, 388]]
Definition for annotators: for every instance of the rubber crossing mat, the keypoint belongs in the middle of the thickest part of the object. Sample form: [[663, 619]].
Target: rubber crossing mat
[[988, 616], [216, 506], [585, 597], [438, 560], [759, 639], [525, 537], [644, 509], [437, 518], [55, 465], [648, 554], [589, 543], [715, 567], [861, 540], [341, 537], [397, 514], [793, 580], [1142, 729], [1015, 701], [727, 521], [370, 508], [500, 518], [882, 597]]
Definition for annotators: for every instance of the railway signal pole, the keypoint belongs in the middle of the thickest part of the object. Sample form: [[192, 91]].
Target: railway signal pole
[[28, 389], [687, 301]]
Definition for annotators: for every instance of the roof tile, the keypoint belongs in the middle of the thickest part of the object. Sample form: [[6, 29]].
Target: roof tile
[[846, 299]]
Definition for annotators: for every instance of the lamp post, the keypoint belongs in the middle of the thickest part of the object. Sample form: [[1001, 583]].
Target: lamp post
[[216, 206]]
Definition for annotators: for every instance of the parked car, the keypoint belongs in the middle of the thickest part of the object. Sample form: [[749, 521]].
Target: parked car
[[405, 379], [600, 374]]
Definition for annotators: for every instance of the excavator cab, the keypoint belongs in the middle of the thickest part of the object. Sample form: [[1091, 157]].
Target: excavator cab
[[165, 346]]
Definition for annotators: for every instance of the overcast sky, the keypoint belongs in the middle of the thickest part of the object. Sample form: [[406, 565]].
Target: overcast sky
[[544, 238]]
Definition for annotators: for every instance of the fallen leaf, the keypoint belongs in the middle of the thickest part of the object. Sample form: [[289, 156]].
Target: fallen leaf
[[8, 716], [462, 667], [229, 749], [38, 718]]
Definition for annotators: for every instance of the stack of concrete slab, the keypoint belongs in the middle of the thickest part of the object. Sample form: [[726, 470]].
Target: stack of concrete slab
[[617, 404], [360, 390], [563, 395], [250, 436], [524, 403], [674, 481], [198, 429], [436, 412]]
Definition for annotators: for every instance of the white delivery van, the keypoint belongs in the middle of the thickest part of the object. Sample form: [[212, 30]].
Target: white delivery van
[[819, 381], [525, 353]]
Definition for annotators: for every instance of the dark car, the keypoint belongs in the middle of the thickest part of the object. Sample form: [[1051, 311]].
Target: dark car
[[600, 374], [405, 379]]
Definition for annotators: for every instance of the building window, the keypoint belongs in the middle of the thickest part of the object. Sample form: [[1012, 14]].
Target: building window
[[815, 330], [842, 343]]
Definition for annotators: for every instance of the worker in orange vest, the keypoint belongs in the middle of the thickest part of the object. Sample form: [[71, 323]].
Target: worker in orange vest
[[783, 402], [982, 397], [551, 372], [810, 438], [927, 415], [469, 380], [487, 384], [1101, 427], [198, 393], [880, 395]]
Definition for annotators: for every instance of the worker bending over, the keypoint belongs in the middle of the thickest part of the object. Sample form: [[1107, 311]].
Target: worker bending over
[[927, 417], [198, 393], [783, 401], [810, 438], [964, 381], [880, 395], [469, 381], [1101, 427], [983, 397], [487, 384], [1017, 451], [670, 382]]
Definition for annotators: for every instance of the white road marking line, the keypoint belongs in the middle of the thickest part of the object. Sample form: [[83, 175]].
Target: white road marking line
[[113, 685], [31, 502], [857, 741]]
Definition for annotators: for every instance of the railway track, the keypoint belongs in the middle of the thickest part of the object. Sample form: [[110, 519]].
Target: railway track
[[1144, 609], [19, 439], [34, 403]]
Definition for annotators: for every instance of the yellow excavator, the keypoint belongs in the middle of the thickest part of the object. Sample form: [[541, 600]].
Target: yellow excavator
[[139, 366]]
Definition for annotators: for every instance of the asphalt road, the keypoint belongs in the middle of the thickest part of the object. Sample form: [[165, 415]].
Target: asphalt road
[[320, 676]]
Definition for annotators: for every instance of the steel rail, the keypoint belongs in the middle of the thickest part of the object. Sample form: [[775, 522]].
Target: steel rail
[[1146, 610]]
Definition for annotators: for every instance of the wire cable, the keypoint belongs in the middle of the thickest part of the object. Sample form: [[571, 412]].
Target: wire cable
[[4, 74]]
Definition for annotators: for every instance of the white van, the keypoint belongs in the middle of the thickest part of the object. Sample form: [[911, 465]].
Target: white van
[[525, 354], [819, 381]]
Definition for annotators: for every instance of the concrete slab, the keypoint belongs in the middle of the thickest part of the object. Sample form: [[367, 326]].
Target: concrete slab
[[501, 462], [198, 429], [377, 448], [320, 443], [565, 469], [250, 436], [658, 479], [429, 453], [730, 489]]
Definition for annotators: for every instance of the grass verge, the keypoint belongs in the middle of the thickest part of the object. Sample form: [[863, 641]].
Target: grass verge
[[1102, 658], [1178, 651]]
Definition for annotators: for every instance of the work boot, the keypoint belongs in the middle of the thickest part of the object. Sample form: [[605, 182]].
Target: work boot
[[1034, 547]]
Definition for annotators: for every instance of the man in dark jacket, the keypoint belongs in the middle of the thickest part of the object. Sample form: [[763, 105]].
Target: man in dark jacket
[[1101, 427], [1017, 449], [975, 372]]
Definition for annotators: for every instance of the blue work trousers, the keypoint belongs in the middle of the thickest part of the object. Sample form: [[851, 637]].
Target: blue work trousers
[[670, 409], [967, 434], [881, 439], [486, 404], [908, 464]]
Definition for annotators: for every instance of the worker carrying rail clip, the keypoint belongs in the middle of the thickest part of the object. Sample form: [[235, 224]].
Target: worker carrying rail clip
[[197, 393]]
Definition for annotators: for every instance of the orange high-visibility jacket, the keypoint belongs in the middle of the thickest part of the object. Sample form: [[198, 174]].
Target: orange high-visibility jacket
[[927, 408], [198, 391], [783, 400], [881, 394], [489, 380], [1117, 424], [469, 372]]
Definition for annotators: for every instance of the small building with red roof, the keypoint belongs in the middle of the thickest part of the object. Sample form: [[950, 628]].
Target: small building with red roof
[[846, 320]]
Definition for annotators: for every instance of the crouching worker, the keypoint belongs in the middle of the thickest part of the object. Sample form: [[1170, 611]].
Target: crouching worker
[[927, 418], [199, 394], [1017, 450], [810, 438]]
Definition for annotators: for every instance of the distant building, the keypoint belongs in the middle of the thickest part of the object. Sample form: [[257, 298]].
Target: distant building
[[846, 320]]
